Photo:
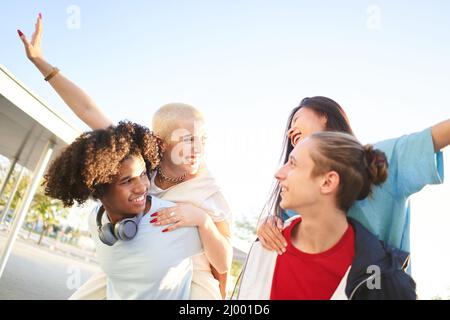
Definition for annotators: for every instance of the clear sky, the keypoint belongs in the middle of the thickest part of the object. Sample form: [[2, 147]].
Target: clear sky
[[246, 64]]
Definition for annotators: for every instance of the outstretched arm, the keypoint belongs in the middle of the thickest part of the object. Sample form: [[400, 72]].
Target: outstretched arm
[[80, 103], [441, 135]]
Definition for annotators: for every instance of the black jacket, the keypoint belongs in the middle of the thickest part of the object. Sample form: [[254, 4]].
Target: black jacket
[[378, 270]]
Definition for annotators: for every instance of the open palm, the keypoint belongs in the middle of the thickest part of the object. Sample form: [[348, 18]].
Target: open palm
[[33, 49]]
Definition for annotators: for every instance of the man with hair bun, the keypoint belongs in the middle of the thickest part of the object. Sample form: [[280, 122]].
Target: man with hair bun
[[328, 254], [387, 212]]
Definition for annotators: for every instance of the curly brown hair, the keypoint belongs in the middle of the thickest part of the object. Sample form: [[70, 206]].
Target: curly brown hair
[[86, 167]]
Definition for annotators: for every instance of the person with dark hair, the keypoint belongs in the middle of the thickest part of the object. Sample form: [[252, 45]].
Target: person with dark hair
[[328, 255], [415, 161], [113, 166]]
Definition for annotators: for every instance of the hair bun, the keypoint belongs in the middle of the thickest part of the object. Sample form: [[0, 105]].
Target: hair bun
[[377, 170], [377, 164]]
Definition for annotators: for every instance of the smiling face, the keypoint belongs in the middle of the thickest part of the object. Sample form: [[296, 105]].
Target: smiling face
[[304, 123], [185, 150], [182, 127], [127, 195], [299, 189]]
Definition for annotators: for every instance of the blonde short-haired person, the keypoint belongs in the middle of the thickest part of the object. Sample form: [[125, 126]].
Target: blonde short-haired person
[[181, 177]]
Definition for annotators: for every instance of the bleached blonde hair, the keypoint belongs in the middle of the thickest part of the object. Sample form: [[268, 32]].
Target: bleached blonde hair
[[168, 116]]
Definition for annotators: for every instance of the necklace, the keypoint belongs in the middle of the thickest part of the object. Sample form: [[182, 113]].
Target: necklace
[[170, 179]]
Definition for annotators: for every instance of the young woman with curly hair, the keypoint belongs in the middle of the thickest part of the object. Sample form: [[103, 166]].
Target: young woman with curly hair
[[181, 177], [113, 166]]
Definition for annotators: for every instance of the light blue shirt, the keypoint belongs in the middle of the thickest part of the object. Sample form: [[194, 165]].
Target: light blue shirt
[[413, 164], [153, 265]]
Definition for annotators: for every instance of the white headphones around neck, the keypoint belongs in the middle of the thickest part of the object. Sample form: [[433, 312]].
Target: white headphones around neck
[[125, 229]]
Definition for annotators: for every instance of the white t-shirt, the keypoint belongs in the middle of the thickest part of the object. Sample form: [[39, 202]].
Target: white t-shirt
[[153, 265]]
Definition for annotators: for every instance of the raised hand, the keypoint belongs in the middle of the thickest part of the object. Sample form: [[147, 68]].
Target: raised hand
[[77, 100], [33, 49]]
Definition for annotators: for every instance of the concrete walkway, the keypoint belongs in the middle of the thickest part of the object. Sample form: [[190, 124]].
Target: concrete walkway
[[35, 273]]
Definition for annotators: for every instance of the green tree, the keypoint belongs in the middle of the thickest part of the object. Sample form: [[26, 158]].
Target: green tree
[[24, 182], [32, 219], [245, 227], [47, 210], [43, 208], [8, 189]]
